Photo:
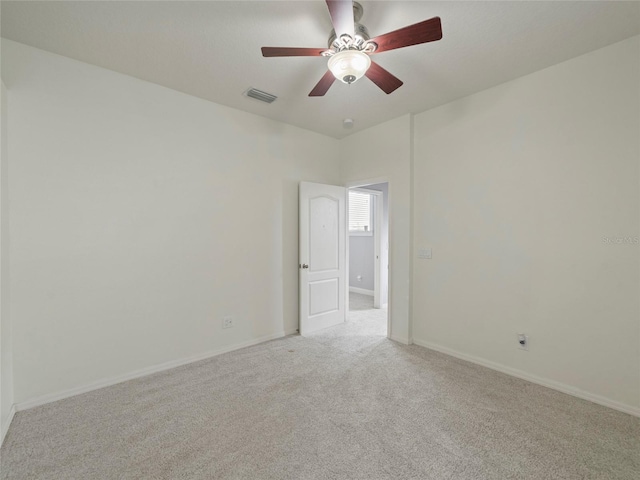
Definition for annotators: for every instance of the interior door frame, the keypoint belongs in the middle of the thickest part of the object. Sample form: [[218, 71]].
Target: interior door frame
[[362, 185], [377, 239], [377, 249]]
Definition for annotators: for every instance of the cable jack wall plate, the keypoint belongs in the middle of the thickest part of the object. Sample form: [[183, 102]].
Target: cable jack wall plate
[[523, 341]]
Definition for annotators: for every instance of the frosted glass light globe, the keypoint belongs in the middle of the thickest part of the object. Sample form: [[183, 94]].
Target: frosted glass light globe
[[349, 65]]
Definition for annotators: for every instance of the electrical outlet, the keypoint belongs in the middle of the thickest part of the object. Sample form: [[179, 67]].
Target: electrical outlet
[[523, 341], [227, 322]]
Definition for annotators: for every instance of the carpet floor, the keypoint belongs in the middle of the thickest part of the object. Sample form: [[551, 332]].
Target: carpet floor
[[345, 403]]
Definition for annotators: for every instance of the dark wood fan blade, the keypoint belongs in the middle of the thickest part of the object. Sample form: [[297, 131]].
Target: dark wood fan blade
[[378, 75], [323, 85], [423, 32], [341, 12], [292, 52]]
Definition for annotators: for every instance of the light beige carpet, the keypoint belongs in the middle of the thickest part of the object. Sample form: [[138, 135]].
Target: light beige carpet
[[344, 404], [359, 302]]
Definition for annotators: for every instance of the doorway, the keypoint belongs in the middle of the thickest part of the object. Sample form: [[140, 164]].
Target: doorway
[[368, 258]]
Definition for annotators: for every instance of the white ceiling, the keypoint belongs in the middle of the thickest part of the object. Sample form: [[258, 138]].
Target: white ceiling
[[212, 49]]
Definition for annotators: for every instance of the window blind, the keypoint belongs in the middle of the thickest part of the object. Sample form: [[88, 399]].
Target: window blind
[[359, 212]]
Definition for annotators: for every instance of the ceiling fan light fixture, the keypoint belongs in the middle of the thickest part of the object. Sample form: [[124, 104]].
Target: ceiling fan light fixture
[[349, 65], [350, 45]]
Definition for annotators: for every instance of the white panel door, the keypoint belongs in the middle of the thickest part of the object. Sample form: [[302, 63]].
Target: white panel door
[[323, 270]]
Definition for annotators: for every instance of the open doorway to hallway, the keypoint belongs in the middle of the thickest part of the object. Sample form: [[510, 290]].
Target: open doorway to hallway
[[368, 258]]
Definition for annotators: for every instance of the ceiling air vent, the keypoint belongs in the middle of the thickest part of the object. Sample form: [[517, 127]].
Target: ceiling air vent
[[260, 95]]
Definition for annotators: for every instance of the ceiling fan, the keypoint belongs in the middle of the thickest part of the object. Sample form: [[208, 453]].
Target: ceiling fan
[[350, 47]]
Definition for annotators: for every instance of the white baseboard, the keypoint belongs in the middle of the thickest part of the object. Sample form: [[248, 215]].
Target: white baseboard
[[107, 382], [403, 340], [5, 427], [363, 291], [561, 387]]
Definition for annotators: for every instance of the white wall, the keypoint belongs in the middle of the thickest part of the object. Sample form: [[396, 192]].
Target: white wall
[[6, 350], [361, 264], [515, 190], [141, 216], [383, 153]]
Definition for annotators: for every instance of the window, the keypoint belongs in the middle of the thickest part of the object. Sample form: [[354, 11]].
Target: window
[[360, 213]]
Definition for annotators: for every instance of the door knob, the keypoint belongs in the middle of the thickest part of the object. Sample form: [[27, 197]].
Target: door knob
[[304, 265]]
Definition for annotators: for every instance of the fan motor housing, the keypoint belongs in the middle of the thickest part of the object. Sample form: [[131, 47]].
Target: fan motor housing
[[360, 32]]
